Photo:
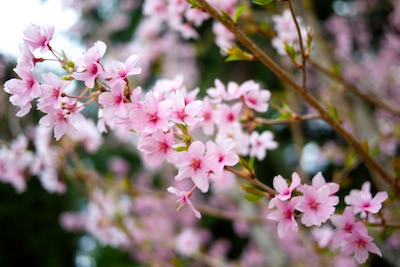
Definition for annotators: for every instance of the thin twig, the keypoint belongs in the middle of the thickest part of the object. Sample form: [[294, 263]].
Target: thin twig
[[303, 55], [250, 178], [287, 121], [355, 90]]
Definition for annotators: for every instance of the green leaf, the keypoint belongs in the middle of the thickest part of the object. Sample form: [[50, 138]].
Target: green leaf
[[262, 2], [235, 53], [193, 3], [253, 197], [238, 12], [251, 163], [334, 113], [251, 189]]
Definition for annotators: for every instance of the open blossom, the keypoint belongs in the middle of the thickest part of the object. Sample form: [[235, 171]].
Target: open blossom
[[120, 70], [152, 115], [345, 224], [64, 120], [184, 113], [39, 36], [23, 90], [362, 201], [259, 144], [195, 165], [254, 97], [183, 199], [281, 186], [316, 203], [360, 243], [284, 215], [223, 154], [52, 90], [88, 66], [114, 102], [157, 147]]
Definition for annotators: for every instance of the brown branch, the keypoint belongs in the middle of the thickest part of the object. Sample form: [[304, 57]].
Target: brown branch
[[295, 119], [303, 55], [284, 76]]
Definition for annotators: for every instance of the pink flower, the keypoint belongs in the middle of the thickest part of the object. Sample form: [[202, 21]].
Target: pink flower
[[23, 90], [317, 204], [345, 225], [183, 113], [362, 201], [194, 165], [284, 215], [225, 39], [207, 115], [152, 115], [64, 120], [52, 91], [39, 36], [360, 243], [228, 115], [254, 97], [113, 102], [157, 147], [218, 93], [183, 199], [222, 154], [120, 70], [281, 186], [260, 143], [88, 66]]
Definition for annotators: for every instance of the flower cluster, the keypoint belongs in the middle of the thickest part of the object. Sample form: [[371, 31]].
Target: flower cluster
[[165, 119], [316, 203]]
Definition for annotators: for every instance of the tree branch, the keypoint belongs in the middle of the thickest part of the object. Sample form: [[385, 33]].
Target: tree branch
[[284, 76]]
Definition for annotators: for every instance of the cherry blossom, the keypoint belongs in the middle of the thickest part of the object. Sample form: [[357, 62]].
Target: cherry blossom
[[23, 90], [52, 91], [183, 199], [259, 144], [223, 154], [157, 147], [39, 36], [316, 203], [360, 243], [345, 224], [362, 201], [193, 164], [120, 70], [284, 215], [184, 113], [281, 186], [88, 66]]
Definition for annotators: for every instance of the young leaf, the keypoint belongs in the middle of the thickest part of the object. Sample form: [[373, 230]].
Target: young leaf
[[238, 12], [262, 2], [235, 53], [253, 197]]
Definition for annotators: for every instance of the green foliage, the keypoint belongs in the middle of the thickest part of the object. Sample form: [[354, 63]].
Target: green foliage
[[235, 53]]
